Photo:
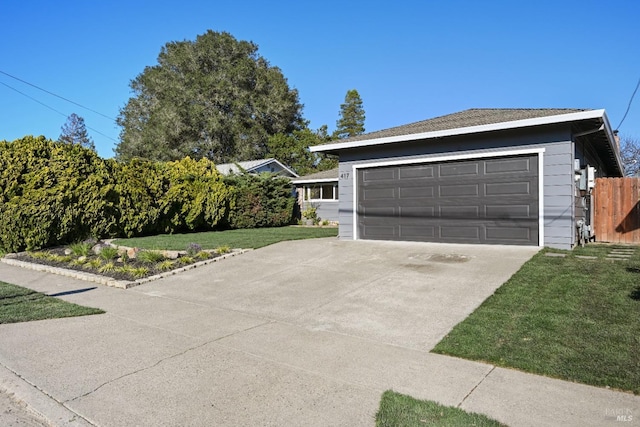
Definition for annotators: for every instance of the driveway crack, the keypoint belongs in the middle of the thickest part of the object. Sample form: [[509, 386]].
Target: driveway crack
[[477, 385], [164, 359]]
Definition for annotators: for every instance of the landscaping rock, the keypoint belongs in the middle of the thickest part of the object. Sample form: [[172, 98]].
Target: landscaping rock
[[132, 252], [67, 251], [82, 258], [171, 254], [98, 247]]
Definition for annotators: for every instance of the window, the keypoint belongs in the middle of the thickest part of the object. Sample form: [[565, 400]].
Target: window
[[321, 192]]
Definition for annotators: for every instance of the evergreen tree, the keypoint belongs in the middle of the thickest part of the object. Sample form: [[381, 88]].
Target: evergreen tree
[[74, 131], [214, 97], [351, 121]]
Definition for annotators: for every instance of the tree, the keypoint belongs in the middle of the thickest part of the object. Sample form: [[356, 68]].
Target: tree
[[213, 98], [630, 153], [74, 131], [293, 150], [351, 121]]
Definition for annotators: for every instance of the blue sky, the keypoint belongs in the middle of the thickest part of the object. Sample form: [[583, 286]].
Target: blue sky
[[410, 60]]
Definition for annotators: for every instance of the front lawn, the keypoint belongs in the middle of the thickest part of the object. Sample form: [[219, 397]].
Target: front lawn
[[18, 304], [244, 238], [566, 317], [398, 410]]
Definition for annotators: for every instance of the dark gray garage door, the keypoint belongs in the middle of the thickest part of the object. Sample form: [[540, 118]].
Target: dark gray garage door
[[491, 201]]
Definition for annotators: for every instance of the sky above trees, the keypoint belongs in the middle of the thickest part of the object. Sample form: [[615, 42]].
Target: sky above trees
[[409, 60]]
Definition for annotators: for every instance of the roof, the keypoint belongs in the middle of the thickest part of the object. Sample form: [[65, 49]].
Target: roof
[[466, 118], [251, 166], [323, 176], [479, 120]]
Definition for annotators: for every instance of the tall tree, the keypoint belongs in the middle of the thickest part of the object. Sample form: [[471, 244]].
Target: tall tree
[[74, 131], [630, 153], [214, 97], [293, 150], [351, 121]]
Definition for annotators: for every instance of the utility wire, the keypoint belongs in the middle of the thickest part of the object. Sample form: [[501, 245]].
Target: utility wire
[[629, 106], [53, 109], [57, 96]]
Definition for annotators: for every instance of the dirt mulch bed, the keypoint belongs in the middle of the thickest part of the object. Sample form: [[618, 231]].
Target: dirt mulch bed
[[118, 275]]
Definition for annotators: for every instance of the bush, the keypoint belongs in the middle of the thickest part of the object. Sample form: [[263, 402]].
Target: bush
[[263, 200], [53, 194]]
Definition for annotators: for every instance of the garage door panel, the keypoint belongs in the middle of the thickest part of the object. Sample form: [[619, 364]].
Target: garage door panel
[[416, 172], [417, 232], [508, 211], [460, 190], [502, 166], [460, 232], [492, 200], [379, 175], [416, 192], [459, 169], [379, 194], [419, 212], [511, 234], [508, 188], [460, 212]]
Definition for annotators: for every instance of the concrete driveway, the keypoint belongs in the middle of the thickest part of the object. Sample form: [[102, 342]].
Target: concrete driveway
[[299, 333]]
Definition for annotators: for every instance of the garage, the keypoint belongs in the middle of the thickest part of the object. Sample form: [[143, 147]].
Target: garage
[[491, 200]]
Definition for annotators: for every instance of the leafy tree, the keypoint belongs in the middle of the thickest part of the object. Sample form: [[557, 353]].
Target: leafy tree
[[213, 98], [351, 121], [74, 131], [630, 152], [293, 150]]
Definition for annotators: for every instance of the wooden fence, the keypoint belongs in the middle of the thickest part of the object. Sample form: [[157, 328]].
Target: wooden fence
[[616, 204]]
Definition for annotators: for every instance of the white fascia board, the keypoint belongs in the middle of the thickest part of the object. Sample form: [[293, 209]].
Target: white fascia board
[[313, 181], [515, 124]]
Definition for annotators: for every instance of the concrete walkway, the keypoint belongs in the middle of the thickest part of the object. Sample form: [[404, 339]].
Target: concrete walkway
[[298, 333]]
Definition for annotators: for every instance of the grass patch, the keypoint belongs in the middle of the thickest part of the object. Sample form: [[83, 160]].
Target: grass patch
[[400, 410], [569, 318], [246, 238], [18, 304]]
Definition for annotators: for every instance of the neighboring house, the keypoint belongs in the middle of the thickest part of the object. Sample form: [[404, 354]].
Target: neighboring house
[[488, 176], [319, 190], [257, 166]]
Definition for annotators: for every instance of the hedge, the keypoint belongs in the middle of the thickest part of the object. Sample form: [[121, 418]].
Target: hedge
[[53, 193]]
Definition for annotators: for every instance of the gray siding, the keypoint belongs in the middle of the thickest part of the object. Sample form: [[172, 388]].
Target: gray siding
[[326, 209], [558, 171]]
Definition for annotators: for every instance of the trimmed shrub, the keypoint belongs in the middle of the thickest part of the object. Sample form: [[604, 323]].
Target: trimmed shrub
[[263, 200]]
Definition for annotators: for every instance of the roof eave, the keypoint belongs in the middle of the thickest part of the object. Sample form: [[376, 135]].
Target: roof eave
[[514, 124]]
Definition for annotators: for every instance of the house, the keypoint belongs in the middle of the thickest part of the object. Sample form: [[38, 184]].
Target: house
[[257, 166], [481, 176], [319, 190]]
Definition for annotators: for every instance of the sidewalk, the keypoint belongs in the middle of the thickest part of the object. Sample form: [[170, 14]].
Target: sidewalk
[[177, 352]]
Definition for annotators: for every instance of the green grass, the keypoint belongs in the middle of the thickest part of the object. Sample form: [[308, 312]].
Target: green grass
[[398, 410], [246, 238], [569, 318], [18, 304]]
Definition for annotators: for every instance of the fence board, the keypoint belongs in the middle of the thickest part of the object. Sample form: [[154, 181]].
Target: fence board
[[617, 210]]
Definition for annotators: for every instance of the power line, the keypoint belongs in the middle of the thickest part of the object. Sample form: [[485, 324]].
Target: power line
[[53, 109], [629, 106], [57, 96]]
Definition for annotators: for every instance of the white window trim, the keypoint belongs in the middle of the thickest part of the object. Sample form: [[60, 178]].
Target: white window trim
[[463, 156], [307, 191]]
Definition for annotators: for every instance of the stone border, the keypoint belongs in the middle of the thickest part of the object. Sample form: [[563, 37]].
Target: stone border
[[108, 281]]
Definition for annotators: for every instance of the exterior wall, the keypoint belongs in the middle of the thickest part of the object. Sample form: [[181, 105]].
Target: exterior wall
[[557, 170], [326, 209]]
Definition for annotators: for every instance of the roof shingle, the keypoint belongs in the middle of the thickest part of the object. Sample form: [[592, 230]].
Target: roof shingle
[[466, 118]]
